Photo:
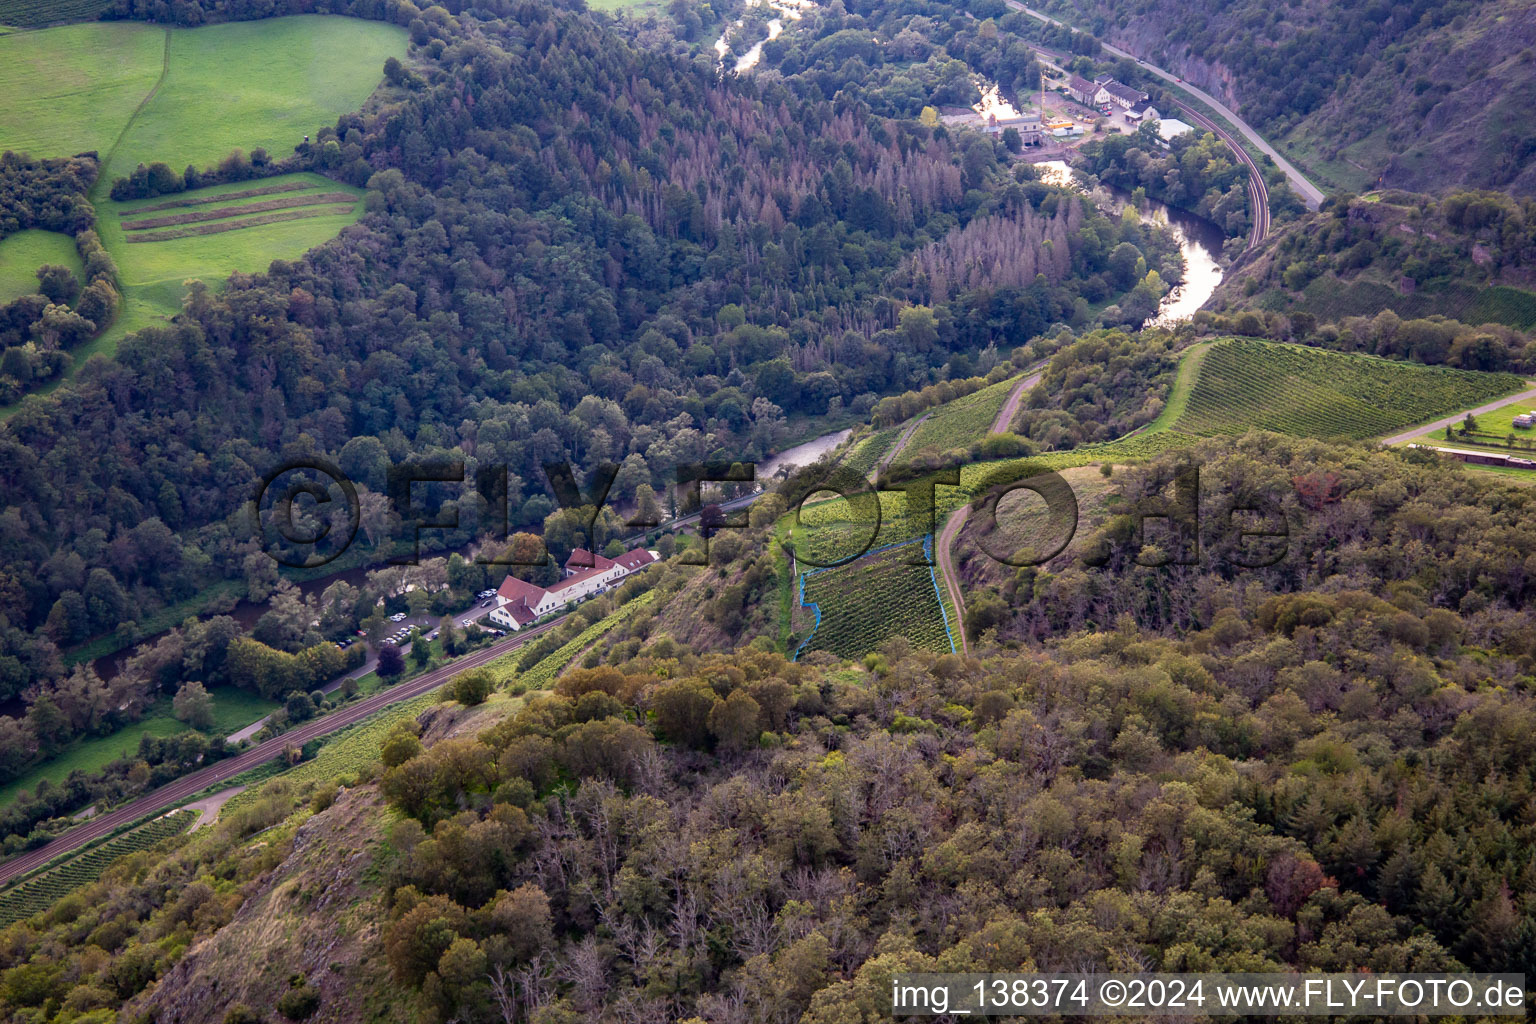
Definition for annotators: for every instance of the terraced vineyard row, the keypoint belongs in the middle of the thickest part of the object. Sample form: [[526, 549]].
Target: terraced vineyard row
[[40, 892], [866, 455], [865, 603], [959, 423], [1311, 393]]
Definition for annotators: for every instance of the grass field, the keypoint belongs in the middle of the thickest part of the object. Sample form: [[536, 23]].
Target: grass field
[[136, 93], [143, 93], [867, 602], [38, 893], [213, 257], [232, 709], [252, 84], [959, 423], [33, 13], [1305, 392], [22, 253], [73, 88]]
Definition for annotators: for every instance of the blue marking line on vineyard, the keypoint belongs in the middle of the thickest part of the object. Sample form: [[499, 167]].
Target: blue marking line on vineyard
[[928, 552], [927, 541]]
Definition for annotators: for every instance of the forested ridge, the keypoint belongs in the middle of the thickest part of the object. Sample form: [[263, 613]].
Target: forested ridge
[[1468, 255], [574, 249], [1324, 765]]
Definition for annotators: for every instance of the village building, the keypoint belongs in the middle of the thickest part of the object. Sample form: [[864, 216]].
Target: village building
[[1113, 93], [519, 602], [1082, 90], [1143, 111], [1171, 128]]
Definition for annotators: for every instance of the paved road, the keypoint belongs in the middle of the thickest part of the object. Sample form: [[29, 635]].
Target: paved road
[[175, 792], [1309, 192], [1409, 435]]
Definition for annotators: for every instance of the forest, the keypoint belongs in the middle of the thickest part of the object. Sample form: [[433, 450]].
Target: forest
[[1322, 766], [574, 249], [38, 330]]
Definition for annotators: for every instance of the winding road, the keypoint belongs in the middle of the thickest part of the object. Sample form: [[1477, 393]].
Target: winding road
[[1310, 193], [173, 793]]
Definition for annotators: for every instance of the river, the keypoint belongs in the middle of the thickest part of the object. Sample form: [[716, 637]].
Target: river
[[787, 10], [1200, 243], [800, 455]]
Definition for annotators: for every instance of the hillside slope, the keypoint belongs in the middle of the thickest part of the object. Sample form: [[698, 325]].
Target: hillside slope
[[1470, 256], [1422, 94]]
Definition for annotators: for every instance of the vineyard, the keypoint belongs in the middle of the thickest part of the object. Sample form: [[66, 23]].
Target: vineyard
[[347, 752], [959, 423], [866, 455], [540, 676], [1500, 305], [859, 606], [38, 893], [1311, 393]]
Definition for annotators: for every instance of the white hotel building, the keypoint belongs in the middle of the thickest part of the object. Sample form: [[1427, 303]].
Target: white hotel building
[[519, 602]]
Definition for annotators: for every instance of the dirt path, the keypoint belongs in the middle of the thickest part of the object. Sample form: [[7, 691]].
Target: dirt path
[[901, 442], [1010, 408], [1409, 435], [946, 561], [209, 806]]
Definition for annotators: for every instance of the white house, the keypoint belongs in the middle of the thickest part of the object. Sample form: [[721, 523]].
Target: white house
[[519, 602], [1143, 111], [1122, 96]]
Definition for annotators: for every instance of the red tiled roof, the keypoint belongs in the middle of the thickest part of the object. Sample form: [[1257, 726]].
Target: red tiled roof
[[514, 590], [519, 611], [632, 560], [581, 559]]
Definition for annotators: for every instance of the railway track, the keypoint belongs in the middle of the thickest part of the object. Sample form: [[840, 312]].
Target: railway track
[[179, 790], [1258, 190]]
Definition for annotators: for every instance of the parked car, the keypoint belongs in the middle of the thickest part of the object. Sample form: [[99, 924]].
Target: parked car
[[397, 617]]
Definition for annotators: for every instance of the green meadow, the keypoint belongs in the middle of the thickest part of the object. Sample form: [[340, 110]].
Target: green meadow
[[71, 89], [157, 269], [232, 710], [22, 253], [255, 84], [139, 93]]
